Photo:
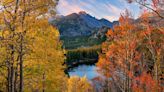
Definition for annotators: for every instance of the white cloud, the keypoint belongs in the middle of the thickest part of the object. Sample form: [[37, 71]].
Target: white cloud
[[66, 8], [93, 7], [111, 18], [114, 10]]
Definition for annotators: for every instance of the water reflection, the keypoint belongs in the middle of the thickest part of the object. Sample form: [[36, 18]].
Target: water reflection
[[90, 71]]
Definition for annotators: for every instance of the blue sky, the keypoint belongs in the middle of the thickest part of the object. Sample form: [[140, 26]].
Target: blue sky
[[109, 9]]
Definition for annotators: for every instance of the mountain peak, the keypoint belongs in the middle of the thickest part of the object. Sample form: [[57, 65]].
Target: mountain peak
[[82, 12], [72, 16], [80, 24], [104, 20]]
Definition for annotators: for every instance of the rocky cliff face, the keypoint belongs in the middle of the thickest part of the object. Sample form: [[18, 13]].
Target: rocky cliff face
[[80, 24]]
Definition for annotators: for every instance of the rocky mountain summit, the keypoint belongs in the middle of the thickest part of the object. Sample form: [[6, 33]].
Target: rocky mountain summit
[[80, 24]]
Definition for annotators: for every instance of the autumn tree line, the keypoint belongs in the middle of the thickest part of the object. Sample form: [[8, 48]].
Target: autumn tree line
[[31, 54], [132, 58], [83, 55]]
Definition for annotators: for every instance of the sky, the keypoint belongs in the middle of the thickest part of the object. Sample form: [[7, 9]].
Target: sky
[[108, 9]]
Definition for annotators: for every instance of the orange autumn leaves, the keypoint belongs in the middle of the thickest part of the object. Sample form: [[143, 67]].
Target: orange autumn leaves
[[144, 83], [131, 50]]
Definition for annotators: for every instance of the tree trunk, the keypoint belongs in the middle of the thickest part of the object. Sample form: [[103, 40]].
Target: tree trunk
[[21, 64], [12, 78], [15, 81], [12, 71], [21, 76], [43, 90], [8, 79]]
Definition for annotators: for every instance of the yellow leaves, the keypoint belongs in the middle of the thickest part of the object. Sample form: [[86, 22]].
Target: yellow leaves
[[77, 84], [40, 46], [46, 56], [5, 33], [2, 54], [6, 2]]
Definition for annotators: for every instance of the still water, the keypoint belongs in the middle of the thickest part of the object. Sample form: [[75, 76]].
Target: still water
[[90, 71]]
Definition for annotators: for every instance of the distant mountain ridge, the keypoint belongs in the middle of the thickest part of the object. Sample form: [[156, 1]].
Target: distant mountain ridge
[[80, 24]]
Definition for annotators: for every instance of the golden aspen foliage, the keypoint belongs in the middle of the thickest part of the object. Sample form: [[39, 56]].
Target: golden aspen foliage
[[77, 84], [31, 56]]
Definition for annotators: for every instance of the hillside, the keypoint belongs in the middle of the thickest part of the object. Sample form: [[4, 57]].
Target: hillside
[[79, 24], [81, 29]]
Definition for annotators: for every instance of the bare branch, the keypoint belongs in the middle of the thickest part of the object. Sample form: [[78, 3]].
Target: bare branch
[[155, 11]]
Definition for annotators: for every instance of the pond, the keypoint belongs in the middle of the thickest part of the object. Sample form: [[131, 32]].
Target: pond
[[90, 71]]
